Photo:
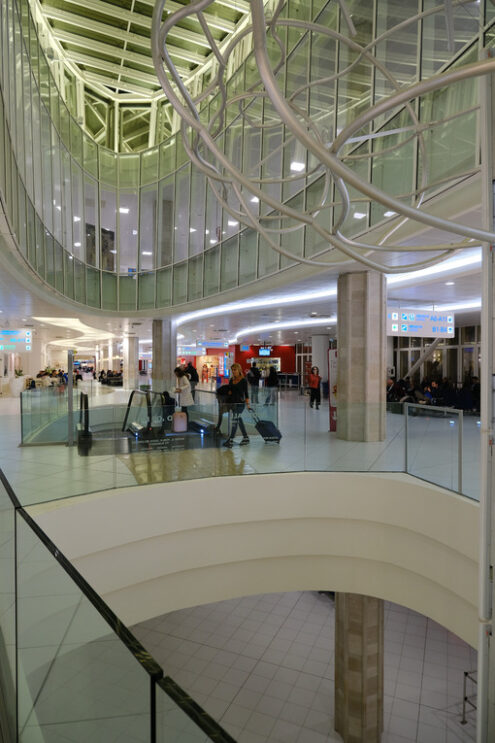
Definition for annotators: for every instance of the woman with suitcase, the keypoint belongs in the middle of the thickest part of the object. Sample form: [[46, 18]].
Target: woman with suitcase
[[237, 397]]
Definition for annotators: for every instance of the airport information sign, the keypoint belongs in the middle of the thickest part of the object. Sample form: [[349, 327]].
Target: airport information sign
[[15, 341], [419, 323]]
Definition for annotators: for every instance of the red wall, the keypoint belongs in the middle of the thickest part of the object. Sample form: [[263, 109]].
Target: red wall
[[287, 355]]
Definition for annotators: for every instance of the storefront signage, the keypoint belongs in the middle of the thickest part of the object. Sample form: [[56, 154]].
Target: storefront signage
[[15, 341], [420, 323]]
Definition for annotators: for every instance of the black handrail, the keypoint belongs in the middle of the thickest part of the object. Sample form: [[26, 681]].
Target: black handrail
[[190, 708]]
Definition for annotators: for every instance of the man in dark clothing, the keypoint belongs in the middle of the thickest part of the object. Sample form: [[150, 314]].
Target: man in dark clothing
[[193, 378], [253, 377]]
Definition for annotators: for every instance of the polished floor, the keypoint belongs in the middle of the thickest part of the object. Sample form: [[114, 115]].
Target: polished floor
[[44, 473], [263, 666]]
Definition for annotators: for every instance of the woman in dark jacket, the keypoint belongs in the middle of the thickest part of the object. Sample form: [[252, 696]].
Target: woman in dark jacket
[[237, 397], [271, 382]]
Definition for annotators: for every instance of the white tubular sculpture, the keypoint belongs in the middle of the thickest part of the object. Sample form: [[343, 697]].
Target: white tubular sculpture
[[253, 197]]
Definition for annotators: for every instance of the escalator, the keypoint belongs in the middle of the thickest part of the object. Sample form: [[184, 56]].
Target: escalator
[[144, 423]]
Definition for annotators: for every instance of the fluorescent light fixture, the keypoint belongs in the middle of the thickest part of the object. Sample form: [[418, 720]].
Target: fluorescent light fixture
[[449, 283], [473, 260], [124, 210], [192, 229], [255, 200], [77, 245], [207, 232], [146, 252], [249, 304], [212, 242], [359, 215], [390, 214], [297, 167], [77, 219], [232, 223], [289, 324]]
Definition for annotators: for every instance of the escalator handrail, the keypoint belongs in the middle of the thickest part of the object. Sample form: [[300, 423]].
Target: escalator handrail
[[149, 406], [84, 411]]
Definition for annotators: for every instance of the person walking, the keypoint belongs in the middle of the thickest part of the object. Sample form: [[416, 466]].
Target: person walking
[[271, 382], [237, 398], [314, 383]]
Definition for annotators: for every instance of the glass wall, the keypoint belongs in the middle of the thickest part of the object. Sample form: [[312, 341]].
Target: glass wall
[[113, 230]]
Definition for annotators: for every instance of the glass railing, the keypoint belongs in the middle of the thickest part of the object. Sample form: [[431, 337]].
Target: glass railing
[[133, 439], [70, 669]]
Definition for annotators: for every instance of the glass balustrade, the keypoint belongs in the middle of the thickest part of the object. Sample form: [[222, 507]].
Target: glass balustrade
[[70, 669], [124, 439]]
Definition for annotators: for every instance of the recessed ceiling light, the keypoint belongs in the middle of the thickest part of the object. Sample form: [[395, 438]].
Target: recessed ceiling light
[[207, 232], [255, 200], [232, 223], [192, 229], [297, 167], [390, 214], [213, 242], [359, 215], [449, 283], [123, 210], [77, 219], [77, 245], [134, 232]]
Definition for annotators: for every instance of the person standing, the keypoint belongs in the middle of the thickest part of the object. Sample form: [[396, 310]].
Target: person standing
[[237, 398], [314, 384], [271, 382], [183, 389], [253, 377], [193, 378]]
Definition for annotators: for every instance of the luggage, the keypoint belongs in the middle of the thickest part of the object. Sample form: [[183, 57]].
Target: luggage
[[179, 422], [267, 429]]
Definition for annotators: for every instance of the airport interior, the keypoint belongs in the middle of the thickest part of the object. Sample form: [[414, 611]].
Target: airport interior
[[246, 371]]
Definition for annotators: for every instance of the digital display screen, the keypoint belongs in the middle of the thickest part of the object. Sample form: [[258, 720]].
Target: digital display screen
[[265, 351]]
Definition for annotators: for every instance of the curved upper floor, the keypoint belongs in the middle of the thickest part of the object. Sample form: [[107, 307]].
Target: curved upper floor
[[181, 544], [144, 232]]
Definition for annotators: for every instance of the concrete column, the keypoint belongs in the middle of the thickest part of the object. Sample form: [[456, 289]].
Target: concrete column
[[164, 354], [131, 362], [358, 668], [319, 354], [109, 362], [361, 360]]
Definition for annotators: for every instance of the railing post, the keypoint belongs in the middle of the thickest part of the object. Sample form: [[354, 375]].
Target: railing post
[[459, 452], [70, 398], [406, 433], [152, 710]]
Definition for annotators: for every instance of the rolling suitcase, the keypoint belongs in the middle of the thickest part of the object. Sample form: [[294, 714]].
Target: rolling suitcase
[[267, 429]]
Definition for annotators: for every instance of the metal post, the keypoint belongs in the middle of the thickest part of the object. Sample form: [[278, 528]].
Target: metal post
[[459, 452], [425, 355], [70, 398], [486, 409], [406, 433]]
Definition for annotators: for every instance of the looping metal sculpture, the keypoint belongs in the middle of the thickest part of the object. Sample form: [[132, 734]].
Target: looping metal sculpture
[[258, 198]]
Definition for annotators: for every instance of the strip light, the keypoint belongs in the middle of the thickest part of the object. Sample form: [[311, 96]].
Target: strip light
[[284, 325]]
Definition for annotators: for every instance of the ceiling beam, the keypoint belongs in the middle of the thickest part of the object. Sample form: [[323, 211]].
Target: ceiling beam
[[117, 33], [115, 69], [66, 37], [129, 16], [113, 82]]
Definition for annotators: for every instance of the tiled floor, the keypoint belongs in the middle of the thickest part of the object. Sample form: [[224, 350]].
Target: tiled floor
[[264, 667]]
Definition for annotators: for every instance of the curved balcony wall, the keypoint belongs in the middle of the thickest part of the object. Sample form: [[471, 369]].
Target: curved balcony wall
[[129, 232]]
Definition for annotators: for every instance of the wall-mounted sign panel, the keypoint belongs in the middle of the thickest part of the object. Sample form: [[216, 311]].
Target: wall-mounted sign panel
[[420, 323], [15, 341]]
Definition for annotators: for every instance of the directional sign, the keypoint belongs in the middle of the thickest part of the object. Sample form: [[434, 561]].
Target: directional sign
[[420, 323], [16, 341]]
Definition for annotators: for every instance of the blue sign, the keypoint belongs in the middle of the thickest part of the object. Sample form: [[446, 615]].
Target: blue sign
[[16, 341]]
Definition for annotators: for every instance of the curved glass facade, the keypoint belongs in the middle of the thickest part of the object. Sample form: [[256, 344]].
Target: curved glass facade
[[128, 232]]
